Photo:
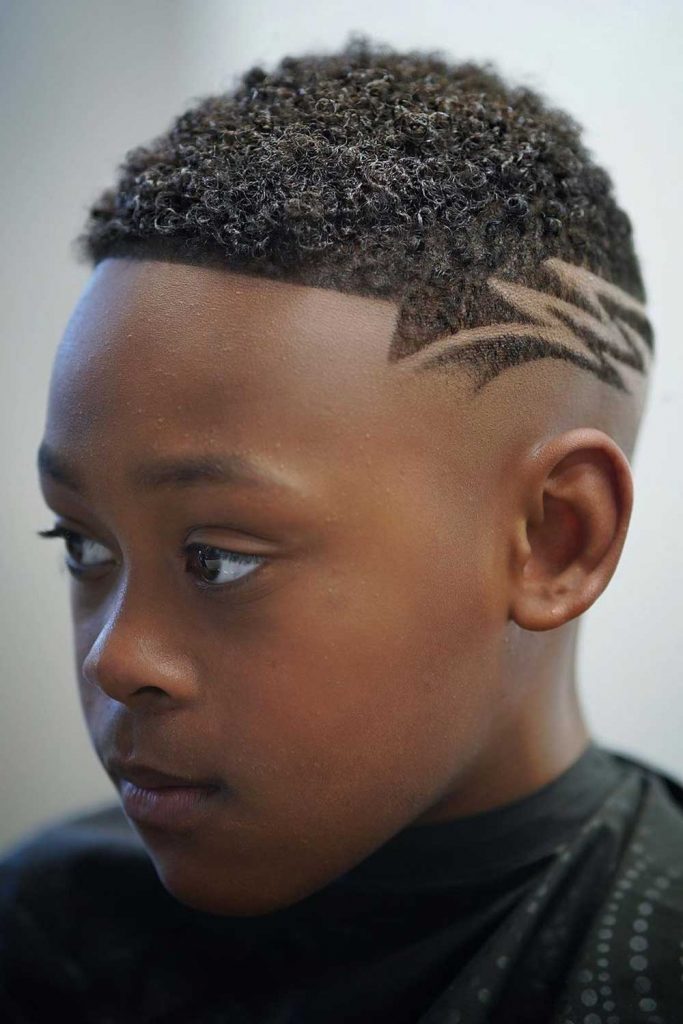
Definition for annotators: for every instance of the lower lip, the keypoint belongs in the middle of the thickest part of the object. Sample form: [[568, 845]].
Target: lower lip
[[166, 807]]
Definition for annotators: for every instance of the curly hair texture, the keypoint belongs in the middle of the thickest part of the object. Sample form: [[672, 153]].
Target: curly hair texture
[[396, 175]]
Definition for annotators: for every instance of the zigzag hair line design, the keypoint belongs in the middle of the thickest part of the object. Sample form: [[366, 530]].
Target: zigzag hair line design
[[587, 335], [487, 359]]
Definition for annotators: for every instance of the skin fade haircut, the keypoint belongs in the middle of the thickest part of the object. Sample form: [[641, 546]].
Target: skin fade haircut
[[471, 203]]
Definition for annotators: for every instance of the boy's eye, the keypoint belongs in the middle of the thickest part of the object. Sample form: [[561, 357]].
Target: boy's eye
[[220, 566], [215, 566], [83, 552]]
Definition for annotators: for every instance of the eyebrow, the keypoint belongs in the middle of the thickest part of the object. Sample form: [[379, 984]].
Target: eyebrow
[[233, 469]]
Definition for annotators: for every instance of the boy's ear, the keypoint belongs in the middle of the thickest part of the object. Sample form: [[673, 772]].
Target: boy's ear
[[577, 497]]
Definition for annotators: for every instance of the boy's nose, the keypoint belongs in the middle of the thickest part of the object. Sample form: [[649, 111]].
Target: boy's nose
[[137, 660]]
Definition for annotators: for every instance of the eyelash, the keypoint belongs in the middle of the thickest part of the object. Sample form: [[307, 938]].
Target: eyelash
[[79, 573]]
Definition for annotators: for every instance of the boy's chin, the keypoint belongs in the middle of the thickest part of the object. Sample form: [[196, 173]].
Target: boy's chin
[[229, 902], [227, 895]]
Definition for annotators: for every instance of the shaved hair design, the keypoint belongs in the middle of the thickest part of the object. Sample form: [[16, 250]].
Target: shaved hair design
[[596, 326]]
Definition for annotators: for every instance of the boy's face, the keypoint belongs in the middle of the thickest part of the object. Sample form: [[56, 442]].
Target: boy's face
[[341, 689]]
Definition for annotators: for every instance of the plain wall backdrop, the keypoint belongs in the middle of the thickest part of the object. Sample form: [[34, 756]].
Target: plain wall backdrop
[[85, 80]]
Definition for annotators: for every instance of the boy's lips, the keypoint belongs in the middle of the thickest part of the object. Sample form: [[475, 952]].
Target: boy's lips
[[163, 800], [147, 777]]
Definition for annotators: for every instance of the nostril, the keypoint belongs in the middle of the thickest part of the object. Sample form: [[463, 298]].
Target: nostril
[[138, 662]]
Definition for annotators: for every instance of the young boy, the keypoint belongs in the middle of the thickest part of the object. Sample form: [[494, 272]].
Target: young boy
[[337, 441]]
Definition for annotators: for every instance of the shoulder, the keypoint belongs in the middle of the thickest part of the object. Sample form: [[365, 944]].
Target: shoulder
[[69, 891], [55, 863], [659, 826], [650, 867], [88, 931], [629, 965]]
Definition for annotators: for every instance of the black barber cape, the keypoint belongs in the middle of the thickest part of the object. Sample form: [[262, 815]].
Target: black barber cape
[[564, 907]]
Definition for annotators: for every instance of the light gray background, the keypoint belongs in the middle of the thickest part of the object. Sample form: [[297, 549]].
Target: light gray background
[[82, 81]]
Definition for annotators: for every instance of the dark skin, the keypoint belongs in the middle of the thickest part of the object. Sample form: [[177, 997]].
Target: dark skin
[[404, 653]]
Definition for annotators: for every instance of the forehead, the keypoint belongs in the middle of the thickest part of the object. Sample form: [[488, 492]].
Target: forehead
[[164, 362], [148, 336], [164, 358]]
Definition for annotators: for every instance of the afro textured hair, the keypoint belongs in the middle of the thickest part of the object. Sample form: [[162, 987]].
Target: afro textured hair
[[396, 175]]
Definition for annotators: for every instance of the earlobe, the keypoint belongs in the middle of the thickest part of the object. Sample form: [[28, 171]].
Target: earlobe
[[578, 496]]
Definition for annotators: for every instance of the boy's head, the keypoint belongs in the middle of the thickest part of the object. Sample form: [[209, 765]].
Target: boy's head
[[389, 309]]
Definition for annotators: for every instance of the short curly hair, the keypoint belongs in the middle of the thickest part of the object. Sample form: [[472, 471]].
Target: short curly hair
[[398, 175]]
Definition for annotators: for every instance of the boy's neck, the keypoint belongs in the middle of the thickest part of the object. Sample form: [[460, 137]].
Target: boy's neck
[[538, 739]]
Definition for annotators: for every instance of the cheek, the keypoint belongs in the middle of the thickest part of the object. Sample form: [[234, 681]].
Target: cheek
[[368, 682]]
